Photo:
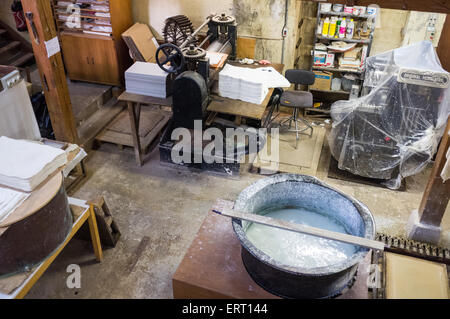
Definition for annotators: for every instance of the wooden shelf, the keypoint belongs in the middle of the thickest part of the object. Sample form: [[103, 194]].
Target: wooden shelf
[[323, 68], [343, 14], [318, 109], [331, 91], [94, 50], [365, 41]]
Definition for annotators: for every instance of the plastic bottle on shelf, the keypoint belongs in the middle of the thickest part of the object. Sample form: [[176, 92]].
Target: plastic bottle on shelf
[[338, 27], [342, 29], [326, 27], [332, 30], [320, 27], [350, 29]]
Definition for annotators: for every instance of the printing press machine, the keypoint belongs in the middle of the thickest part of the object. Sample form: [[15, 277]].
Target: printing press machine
[[393, 131], [192, 81]]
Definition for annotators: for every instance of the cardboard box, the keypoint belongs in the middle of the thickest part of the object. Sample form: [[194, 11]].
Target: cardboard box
[[323, 81], [141, 42], [330, 60]]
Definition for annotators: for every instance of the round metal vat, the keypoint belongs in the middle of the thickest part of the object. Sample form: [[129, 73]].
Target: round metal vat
[[303, 192]]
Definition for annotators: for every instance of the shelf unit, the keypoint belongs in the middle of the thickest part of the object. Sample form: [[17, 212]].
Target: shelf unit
[[91, 39], [324, 39]]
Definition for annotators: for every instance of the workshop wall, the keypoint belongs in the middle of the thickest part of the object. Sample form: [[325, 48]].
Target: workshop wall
[[397, 28], [262, 20]]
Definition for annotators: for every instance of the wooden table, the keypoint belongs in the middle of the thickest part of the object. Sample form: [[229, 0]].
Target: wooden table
[[213, 267], [218, 104], [239, 108], [17, 286], [134, 102]]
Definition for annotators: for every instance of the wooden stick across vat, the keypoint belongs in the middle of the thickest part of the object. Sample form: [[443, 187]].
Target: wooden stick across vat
[[304, 229]]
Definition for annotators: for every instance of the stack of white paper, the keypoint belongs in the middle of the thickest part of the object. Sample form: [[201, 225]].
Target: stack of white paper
[[9, 201], [24, 165], [247, 84], [147, 79]]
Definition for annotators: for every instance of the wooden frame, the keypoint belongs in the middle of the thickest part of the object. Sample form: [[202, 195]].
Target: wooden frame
[[87, 215]]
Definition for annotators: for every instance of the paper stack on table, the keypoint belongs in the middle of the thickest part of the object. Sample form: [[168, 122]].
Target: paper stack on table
[[9, 201], [25, 165], [249, 84], [146, 79]]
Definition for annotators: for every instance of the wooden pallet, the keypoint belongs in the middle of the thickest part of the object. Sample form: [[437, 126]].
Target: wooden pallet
[[119, 131]]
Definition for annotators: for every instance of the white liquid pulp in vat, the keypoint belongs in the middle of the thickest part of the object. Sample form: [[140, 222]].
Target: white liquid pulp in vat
[[300, 250]]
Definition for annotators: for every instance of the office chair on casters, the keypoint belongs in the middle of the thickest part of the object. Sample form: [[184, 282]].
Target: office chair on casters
[[298, 100]]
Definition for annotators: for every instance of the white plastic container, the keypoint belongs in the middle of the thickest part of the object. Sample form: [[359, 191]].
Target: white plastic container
[[343, 29], [338, 7], [326, 27], [359, 10], [350, 30], [325, 7], [332, 30], [336, 84], [348, 9], [371, 10]]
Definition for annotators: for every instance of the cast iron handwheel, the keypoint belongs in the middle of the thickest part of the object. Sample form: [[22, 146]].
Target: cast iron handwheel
[[172, 54]]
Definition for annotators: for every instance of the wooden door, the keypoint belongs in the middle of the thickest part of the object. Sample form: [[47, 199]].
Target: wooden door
[[90, 58]]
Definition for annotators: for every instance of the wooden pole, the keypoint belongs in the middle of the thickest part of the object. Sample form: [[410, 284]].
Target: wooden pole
[[303, 229], [437, 193], [41, 27], [443, 48]]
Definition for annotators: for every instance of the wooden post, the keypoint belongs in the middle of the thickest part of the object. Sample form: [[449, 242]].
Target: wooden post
[[437, 193], [41, 28], [444, 45], [438, 6]]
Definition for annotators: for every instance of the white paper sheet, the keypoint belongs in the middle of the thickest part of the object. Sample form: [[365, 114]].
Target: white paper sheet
[[9, 201], [17, 119], [249, 85], [52, 47], [24, 165]]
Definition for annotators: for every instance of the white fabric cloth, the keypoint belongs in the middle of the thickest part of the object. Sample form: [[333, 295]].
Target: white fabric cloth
[[24, 165]]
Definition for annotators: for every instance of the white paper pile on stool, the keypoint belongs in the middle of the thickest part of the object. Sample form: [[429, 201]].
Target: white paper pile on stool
[[9, 201], [146, 79], [247, 84], [25, 165]]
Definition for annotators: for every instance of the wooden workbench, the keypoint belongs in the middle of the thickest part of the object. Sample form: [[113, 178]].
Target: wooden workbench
[[139, 134], [239, 108], [140, 140], [17, 286]]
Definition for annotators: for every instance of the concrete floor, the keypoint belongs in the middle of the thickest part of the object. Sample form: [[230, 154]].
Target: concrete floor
[[167, 206]]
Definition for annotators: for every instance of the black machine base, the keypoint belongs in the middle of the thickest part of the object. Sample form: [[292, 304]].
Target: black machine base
[[166, 146]]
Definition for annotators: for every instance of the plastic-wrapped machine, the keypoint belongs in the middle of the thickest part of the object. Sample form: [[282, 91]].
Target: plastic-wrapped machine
[[394, 130]]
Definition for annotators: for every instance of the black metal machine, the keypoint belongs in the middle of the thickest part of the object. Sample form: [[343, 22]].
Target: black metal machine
[[187, 61], [392, 132]]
